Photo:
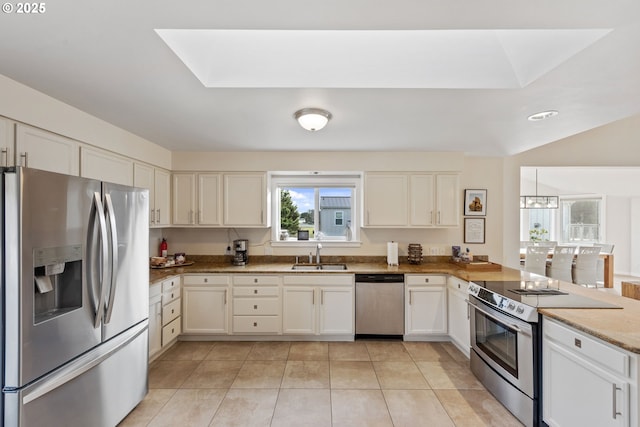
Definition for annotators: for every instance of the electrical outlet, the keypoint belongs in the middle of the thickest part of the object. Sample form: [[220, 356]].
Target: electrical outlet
[[228, 251], [433, 250], [268, 250], [441, 250]]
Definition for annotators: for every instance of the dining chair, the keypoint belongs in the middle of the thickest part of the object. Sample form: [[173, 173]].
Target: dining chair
[[561, 263], [535, 260], [585, 268], [605, 248]]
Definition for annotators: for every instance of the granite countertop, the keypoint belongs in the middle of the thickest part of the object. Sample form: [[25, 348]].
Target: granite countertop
[[620, 327]]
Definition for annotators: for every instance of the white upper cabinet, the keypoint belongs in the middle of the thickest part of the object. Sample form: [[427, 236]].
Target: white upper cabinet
[[7, 153], [245, 200], [39, 149], [395, 200], [386, 200], [162, 197], [184, 198], [423, 210], [448, 200], [196, 199], [157, 181], [209, 194], [105, 166]]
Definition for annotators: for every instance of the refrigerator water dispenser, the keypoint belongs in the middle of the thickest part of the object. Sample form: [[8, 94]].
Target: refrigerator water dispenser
[[57, 276]]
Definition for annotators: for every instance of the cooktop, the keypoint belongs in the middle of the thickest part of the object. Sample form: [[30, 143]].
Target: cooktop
[[523, 298]]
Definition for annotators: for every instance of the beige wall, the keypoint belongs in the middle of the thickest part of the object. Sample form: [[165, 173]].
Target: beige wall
[[24, 104], [476, 172]]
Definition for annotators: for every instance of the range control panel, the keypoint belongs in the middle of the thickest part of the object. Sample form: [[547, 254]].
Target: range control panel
[[509, 306]]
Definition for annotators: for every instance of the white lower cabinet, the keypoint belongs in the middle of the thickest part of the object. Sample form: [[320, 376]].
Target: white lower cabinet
[[171, 310], [257, 305], [205, 304], [586, 381], [458, 313], [155, 319], [425, 305], [318, 305]]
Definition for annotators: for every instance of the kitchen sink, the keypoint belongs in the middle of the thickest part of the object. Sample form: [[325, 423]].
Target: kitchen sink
[[333, 266], [315, 267]]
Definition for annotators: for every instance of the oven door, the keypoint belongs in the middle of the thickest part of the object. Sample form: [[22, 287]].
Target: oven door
[[504, 343]]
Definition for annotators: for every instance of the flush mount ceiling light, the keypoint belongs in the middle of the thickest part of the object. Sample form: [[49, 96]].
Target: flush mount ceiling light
[[542, 115], [312, 119], [538, 202]]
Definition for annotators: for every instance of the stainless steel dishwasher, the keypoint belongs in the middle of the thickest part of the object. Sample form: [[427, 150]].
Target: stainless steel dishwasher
[[380, 305]]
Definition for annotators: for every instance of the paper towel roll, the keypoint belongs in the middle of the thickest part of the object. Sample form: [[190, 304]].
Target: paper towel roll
[[392, 253]]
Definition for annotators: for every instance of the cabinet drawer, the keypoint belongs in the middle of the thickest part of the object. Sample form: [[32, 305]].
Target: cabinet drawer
[[459, 284], [167, 297], [256, 324], [171, 284], [171, 331], [420, 279], [256, 306], [170, 311], [263, 291], [199, 280], [319, 279], [256, 280], [601, 354]]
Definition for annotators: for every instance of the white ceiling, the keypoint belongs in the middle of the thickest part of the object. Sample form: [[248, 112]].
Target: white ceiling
[[579, 57]]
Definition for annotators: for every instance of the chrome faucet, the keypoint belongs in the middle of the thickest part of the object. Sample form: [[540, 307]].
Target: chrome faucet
[[318, 247]]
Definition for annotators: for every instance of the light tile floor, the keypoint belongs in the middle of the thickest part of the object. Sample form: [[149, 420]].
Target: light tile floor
[[362, 383]]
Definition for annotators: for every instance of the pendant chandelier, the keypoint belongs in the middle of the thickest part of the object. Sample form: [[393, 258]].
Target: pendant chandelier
[[538, 202]]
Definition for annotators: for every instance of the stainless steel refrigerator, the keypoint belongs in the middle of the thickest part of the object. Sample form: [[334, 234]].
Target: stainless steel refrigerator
[[74, 299]]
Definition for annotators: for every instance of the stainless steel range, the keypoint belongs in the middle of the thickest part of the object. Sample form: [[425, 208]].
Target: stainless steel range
[[506, 338]]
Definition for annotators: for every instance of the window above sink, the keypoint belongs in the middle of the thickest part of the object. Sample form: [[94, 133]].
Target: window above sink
[[312, 207]]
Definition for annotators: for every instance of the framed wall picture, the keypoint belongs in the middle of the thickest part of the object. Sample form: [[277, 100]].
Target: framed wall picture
[[475, 202], [474, 230]]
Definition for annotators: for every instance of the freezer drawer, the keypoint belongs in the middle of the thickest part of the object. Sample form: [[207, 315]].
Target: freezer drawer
[[98, 389]]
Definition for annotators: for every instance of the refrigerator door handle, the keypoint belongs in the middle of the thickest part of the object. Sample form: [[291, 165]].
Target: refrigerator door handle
[[114, 256], [93, 253]]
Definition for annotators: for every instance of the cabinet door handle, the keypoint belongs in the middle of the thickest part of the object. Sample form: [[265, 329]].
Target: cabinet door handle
[[5, 153], [431, 216], [158, 215], [261, 217], [438, 217], [25, 159], [321, 296], [225, 297], [153, 216], [614, 412], [313, 298], [410, 296]]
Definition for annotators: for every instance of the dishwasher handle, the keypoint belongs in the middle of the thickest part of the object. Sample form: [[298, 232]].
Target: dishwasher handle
[[380, 278]]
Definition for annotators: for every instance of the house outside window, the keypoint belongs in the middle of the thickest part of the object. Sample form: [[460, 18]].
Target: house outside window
[[324, 207]]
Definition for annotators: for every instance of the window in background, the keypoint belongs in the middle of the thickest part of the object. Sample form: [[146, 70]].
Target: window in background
[[581, 220], [537, 225]]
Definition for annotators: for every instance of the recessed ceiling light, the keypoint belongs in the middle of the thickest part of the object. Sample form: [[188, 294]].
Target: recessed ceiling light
[[542, 115]]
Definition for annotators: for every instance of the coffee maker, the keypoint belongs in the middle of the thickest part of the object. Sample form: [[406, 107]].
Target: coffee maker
[[241, 252]]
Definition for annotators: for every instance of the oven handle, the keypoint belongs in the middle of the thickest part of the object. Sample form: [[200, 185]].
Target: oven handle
[[497, 319]]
